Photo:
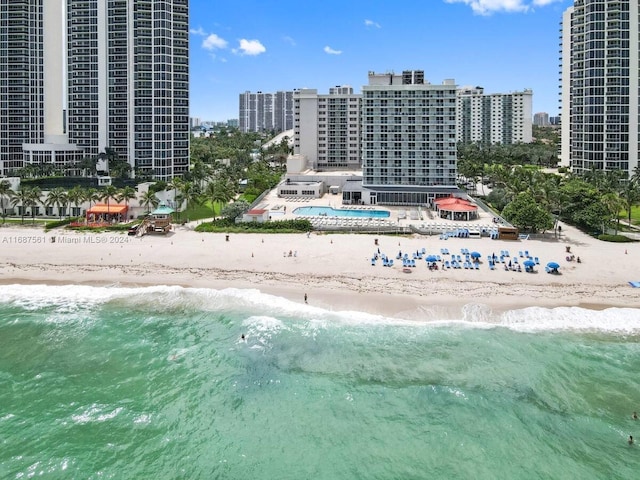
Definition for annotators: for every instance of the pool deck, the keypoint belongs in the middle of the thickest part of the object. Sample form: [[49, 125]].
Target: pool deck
[[402, 219]]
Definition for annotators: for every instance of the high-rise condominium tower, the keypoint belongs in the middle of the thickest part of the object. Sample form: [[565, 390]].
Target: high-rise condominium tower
[[128, 81], [127, 84], [600, 85], [502, 118], [264, 112], [327, 128], [21, 79]]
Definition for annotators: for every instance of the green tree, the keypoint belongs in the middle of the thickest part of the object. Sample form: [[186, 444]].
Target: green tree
[[613, 204], [218, 192], [27, 197], [126, 195], [92, 196], [76, 196], [5, 193], [21, 198], [109, 193], [149, 199], [630, 196], [526, 214], [57, 197], [235, 209], [34, 199]]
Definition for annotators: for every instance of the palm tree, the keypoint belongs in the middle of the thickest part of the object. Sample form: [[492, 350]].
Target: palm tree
[[27, 197], [218, 192], [22, 198], [57, 197], [76, 196], [109, 193], [613, 203], [148, 199], [630, 196], [92, 195], [34, 199], [5, 192], [189, 192], [127, 194], [175, 184]]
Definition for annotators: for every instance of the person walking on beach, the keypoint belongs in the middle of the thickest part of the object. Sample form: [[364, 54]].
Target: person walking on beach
[[305, 298]]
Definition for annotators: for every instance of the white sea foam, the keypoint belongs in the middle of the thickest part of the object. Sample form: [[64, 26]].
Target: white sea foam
[[71, 299], [95, 413]]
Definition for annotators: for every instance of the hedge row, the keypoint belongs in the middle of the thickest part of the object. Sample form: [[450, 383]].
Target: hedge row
[[281, 226], [615, 238]]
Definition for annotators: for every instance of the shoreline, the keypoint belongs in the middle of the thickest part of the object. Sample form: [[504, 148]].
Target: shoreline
[[334, 270], [390, 304]]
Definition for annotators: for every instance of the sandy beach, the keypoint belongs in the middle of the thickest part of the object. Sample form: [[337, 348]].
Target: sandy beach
[[334, 270]]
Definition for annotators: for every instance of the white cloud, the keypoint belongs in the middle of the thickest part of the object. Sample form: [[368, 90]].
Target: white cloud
[[289, 40], [487, 7], [331, 51], [198, 31], [371, 23], [250, 47], [213, 41]]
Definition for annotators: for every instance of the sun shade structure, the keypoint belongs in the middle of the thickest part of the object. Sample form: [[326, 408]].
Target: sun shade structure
[[111, 209], [454, 208]]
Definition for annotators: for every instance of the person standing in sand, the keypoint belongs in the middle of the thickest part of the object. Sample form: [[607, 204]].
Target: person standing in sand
[[305, 298]]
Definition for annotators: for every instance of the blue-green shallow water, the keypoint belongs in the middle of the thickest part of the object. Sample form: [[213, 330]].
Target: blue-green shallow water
[[156, 383]]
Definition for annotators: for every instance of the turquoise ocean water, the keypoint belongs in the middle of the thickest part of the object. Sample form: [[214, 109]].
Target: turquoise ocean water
[[157, 383]]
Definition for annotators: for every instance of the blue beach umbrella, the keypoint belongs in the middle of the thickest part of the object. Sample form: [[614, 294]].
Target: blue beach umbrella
[[475, 255], [431, 258], [529, 263], [553, 265]]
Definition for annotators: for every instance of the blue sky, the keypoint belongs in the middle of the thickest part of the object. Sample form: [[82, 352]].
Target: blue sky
[[253, 45]]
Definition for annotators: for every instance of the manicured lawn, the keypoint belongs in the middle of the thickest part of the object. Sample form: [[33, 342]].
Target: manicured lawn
[[27, 221], [635, 215], [198, 212]]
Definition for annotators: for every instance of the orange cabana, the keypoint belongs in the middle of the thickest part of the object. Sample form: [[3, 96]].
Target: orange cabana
[[106, 213]]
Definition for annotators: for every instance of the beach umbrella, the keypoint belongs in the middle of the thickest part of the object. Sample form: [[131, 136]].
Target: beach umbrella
[[529, 263], [431, 258], [475, 255], [553, 265]]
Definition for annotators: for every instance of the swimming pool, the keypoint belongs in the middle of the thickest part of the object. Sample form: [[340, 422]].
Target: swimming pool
[[332, 212]]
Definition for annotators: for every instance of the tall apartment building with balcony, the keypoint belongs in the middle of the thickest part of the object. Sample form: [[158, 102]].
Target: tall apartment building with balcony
[[127, 85], [128, 81], [265, 112], [326, 128], [21, 80], [497, 118], [409, 138], [600, 85]]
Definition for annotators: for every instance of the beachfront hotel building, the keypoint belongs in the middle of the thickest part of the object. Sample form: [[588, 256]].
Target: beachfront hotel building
[[266, 112], [126, 83], [408, 139], [497, 118], [600, 86], [327, 128]]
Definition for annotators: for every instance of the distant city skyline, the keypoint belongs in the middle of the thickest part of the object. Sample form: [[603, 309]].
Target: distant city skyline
[[501, 45]]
